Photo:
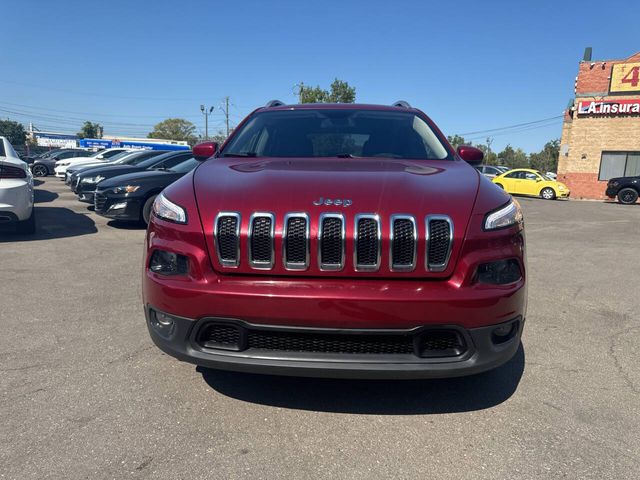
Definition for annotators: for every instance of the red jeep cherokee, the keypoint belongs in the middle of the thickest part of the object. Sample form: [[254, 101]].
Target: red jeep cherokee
[[340, 241]]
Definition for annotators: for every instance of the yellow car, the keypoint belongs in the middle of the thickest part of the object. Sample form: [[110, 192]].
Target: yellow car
[[524, 181]]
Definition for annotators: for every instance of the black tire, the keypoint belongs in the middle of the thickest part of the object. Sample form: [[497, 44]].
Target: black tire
[[500, 185], [40, 170], [548, 193], [28, 226], [145, 215], [627, 196]]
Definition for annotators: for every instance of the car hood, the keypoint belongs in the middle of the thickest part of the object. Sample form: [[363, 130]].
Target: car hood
[[161, 178], [363, 185], [110, 171]]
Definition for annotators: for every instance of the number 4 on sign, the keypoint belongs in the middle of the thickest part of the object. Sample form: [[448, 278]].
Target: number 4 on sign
[[632, 77]]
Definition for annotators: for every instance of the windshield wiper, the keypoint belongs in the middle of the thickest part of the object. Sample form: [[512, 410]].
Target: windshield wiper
[[345, 155], [239, 154]]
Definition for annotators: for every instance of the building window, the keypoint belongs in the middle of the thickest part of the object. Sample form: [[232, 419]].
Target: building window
[[619, 164]]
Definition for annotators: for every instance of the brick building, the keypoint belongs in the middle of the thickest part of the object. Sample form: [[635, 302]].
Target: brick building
[[601, 129]]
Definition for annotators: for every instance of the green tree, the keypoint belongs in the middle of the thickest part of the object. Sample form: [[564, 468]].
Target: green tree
[[456, 141], [14, 132], [340, 92], [175, 129], [547, 159], [513, 158], [90, 130], [490, 157]]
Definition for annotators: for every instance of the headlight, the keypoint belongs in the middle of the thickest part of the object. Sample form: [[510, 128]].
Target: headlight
[[167, 210], [96, 179], [126, 189], [506, 216]]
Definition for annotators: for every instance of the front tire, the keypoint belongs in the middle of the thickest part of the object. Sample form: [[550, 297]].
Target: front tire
[[28, 226], [548, 193], [40, 170], [627, 196], [146, 209]]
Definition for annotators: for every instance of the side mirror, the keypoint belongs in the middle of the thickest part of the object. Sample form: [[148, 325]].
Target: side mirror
[[470, 154], [205, 150]]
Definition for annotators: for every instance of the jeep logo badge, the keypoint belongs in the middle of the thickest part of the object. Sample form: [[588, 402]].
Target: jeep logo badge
[[333, 201]]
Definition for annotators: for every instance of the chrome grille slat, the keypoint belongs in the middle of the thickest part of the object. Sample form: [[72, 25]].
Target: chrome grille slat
[[260, 240], [439, 236], [365, 251], [367, 243], [403, 243], [226, 234], [295, 241], [331, 241]]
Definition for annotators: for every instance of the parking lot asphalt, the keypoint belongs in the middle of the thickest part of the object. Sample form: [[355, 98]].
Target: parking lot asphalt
[[85, 394]]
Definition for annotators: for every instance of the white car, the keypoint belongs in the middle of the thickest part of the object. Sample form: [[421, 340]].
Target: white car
[[98, 157], [16, 190]]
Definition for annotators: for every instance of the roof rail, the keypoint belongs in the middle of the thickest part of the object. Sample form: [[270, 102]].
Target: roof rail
[[401, 104], [274, 103]]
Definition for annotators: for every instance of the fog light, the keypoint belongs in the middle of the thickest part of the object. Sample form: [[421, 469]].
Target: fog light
[[118, 206], [501, 272], [504, 333], [168, 263], [162, 323]]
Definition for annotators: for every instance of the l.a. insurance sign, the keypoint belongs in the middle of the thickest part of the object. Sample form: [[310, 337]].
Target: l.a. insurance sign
[[625, 78], [609, 107]]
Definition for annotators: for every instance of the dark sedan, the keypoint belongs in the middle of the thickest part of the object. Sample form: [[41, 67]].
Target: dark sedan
[[43, 165], [130, 197], [86, 181]]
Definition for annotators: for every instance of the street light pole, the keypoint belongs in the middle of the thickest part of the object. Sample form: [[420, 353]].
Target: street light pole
[[206, 112]]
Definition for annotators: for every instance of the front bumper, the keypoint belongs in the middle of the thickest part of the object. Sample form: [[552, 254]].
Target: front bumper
[[611, 192], [117, 207], [482, 351]]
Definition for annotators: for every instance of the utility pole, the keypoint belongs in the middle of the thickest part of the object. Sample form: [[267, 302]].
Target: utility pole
[[489, 142], [206, 112], [225, 110]]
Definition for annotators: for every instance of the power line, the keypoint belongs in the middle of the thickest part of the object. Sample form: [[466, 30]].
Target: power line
[[511, 126]]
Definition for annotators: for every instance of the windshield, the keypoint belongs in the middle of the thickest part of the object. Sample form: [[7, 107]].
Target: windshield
[[546, 177], [120, 158], [337, 133], [185, 166]]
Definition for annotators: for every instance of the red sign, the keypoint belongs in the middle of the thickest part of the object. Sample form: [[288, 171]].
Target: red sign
[[609, 107]]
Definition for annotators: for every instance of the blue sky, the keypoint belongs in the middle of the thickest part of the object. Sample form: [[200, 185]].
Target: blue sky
[[470, 65]]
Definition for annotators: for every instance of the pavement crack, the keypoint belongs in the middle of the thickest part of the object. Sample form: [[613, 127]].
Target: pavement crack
[[615, 340]]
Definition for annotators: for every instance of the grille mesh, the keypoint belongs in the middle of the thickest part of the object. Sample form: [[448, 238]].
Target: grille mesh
[[227, 238], [438, 248], [441, 342], [367, 244], [261, 241], [296, 242], [331, 248], [225, 336], [403, 249], [330, 343]]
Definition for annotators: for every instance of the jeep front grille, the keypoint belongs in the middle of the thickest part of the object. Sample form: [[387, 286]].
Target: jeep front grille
[[367, 238], [261, 233], [439, 241], [331, 237], [403, 243], [333, 248], [227, 237], [295, 236]]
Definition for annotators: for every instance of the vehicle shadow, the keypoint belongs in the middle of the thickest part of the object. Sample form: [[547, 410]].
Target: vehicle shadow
[[126, 225], [379, 397], [44, 196], [52, 222]]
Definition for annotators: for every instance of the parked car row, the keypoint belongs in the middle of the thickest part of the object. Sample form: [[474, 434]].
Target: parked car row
[[124, 186]]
